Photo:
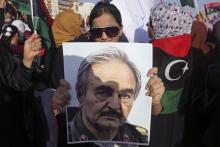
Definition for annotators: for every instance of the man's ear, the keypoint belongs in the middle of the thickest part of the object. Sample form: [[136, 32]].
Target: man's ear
[[79, 99], [79, 96]]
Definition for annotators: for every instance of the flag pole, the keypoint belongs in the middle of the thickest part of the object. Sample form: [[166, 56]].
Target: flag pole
[[196, 6], [32, 14]]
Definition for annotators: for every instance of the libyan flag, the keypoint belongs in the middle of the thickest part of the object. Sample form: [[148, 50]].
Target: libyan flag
[[42, 23], [42, 20], [173, 58], [187, 2]]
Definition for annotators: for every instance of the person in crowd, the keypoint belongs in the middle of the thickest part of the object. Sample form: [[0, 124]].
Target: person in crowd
[[107, 99], [202, 54], [10, 13], [66, 27], [216, 40], [65, 31], [213, 80], [106, 19], [22, 122], [203, 117], [22, 29], [170, 29], [10, 37], [105, 23]]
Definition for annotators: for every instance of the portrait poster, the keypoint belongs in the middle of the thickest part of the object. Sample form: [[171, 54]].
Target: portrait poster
[[106, 106]]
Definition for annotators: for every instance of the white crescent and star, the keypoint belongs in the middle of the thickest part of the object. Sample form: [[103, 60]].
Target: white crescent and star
[[169, 66]]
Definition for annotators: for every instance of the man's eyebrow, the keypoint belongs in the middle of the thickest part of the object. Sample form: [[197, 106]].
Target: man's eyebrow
[[104, 87], [127, 91]]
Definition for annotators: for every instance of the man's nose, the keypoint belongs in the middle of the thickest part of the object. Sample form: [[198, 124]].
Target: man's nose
[[114, 102]]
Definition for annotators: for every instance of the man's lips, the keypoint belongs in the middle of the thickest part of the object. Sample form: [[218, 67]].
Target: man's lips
[[112, 114]]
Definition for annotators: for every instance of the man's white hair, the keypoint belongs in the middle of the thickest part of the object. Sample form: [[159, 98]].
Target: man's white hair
[[106, 54]]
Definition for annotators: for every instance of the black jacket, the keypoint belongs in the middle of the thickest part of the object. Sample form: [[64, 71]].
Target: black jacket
[[22, 120]]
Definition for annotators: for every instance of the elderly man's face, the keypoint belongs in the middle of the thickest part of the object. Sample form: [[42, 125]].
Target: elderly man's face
[[110, 95]]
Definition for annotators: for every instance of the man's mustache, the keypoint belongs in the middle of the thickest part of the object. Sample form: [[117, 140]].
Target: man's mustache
[[111, 114]]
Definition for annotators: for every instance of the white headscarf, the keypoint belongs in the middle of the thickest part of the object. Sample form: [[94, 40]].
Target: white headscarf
[[22, 27]]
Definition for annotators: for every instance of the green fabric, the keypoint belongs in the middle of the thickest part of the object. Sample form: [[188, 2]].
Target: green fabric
[[187, 2], [43, 30], [170, 100], [21, 6], [39, 24]]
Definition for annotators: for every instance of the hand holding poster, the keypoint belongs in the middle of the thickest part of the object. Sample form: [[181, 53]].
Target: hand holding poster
[[108, 91]]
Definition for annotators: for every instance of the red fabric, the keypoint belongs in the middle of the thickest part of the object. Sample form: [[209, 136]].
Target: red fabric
[[177, 46], [212, 4], [42, 51]]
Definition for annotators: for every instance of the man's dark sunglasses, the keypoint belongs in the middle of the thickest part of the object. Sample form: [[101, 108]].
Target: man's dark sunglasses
[[111, 31]]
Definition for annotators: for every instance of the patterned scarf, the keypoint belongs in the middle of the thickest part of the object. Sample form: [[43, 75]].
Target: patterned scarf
[[169, 20]]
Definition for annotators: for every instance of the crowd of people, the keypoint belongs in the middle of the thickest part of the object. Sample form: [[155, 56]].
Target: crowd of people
[[183, 82]]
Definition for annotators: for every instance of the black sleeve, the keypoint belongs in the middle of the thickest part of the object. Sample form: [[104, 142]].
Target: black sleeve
[[214, 77], [57, 68], [1, 18], [13, 74], [62, 134]]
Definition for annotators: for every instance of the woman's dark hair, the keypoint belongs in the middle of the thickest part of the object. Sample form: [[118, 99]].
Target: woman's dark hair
[[7, 34], [105, 7]]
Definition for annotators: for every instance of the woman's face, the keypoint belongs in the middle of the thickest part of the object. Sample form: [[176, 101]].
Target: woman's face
[[105, 29]]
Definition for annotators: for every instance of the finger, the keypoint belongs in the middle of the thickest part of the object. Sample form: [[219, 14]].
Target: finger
[[37, 41], [154, 86], [153, 79], [152, 71], [61, 109], [156, 99], [157, 90], [60, 99], [65, 84], [35, 35], [31, 39], [62, 95], [36, 52], [36, 45]]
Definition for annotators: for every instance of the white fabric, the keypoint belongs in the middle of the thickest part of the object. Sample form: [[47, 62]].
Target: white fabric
[[22, 27], [135, 15]]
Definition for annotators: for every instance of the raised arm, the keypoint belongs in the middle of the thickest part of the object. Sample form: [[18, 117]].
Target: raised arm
[[17, 75]]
